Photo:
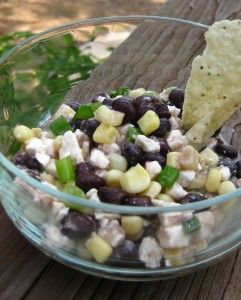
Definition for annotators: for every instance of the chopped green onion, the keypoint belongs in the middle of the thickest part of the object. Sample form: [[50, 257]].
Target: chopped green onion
[[191, 225], [65, 169], [122, 91], [60, 126], [86, 111], [94, 106], [132, 133], [72, 189], [168, 176]]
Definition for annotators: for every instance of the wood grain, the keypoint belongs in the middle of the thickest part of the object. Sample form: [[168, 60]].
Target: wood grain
[[25, 273]]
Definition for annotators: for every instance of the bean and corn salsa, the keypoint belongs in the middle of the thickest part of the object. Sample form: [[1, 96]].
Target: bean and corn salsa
[[129, 148]]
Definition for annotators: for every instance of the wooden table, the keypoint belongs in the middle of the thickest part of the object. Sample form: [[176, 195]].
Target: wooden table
[[26, 273]]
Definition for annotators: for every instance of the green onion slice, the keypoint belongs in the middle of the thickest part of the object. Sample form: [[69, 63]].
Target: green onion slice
[[168, 176], [132, 133], [60, 126], [191, 225], [86, 111], [65, 169], [122, 91]]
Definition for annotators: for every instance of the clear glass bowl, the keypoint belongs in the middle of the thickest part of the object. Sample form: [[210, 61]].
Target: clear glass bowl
[[35, 77]]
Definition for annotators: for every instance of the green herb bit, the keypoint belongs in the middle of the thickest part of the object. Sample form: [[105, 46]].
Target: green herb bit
[[191, 225], [86, 111], [132, 133], [65, 169], [60, 126], [122, 91], [168, 176]]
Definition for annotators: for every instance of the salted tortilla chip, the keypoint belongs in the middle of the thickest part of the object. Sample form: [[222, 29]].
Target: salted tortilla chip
[[213, 90]]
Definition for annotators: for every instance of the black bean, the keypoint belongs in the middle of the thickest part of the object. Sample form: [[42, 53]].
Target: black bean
[[164, 147], [88, 126], [176, 97], [152, 156], [163, 129], [137, 201], [125, 106], [25, 159], [128, 249], [74, 105], [83, 168], [238, 169], [89, 181], [111, 195], [77, 225], [161, 109], [228, 162], [103, 94], [132, 153], [108, 102], [150, 230], [192, 197], [225, 150], [147, 99]]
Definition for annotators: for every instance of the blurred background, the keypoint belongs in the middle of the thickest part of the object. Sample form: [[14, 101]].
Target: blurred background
[[37, 15]]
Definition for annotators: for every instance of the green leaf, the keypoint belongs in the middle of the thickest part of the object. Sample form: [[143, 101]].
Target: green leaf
[[122, 91], [168, 176]]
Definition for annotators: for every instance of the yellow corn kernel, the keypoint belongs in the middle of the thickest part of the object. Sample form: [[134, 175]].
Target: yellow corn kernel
[[226, 187], [199, 182], [135, 180], [165, 197], [208, 158], [112, 178], [117, 162], [149, 122], [47, 177], [98, 247], [173, 159], [132, 225], [178, 256], [153, 190], [189, 158], [213, 180], [23, 133], [105, 134], [109, 116], [137, 93], [37, 131]]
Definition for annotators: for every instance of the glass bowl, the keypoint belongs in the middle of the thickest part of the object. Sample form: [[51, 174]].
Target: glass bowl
[[35, 78]]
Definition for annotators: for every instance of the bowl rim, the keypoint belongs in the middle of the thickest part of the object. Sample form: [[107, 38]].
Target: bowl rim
[[104, 207]]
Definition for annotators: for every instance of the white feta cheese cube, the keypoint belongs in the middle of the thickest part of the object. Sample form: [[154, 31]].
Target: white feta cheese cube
[[100, 99], [35, 145], [111, 232], [93, 195], [207, 221], [59, 210], [98, 159], [174, 123], [173, 237], [70, 147], [150, 252], [176, 140], [43, 158], [186, 177], [110, 148], [176, 191], [153, 168], [174, 111], [147, 144], [225, 173], [54, 238], [51, 168]]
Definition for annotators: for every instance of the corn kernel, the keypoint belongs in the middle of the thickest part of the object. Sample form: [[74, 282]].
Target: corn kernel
[[37, 131], [149, 122], [23, 133], [213, 180], [208, 158], [173, 159], [135, 180], [199, 182], [112, 178], [137, 93], [105, 134], [153, 190], [117, 162], [109, 116], [189, 158], [99, 248], [165, 197], [132, 225], [226, 187]]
